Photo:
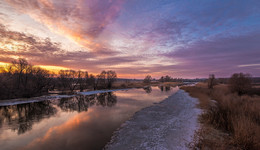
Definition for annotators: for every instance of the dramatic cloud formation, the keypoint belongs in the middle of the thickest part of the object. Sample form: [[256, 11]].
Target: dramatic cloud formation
[[220, 55], [44, 52], [135, 38], [83, 21]]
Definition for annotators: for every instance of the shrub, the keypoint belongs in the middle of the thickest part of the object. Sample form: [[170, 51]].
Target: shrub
[[148, 79], [240, 83], [229, 113]]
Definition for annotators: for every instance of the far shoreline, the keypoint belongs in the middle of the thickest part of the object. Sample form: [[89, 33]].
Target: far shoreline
[[51, 96]]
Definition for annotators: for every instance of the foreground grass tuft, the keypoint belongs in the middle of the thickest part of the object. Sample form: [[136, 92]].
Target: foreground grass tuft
[[237, 118]]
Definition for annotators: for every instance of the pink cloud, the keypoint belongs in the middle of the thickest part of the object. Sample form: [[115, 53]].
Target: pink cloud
[[82, 20]]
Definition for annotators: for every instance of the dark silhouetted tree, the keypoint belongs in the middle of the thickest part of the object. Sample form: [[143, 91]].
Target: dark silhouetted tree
[[91, 81], [68, 79], [21, 79], [111, 78], [147, 79], [211, 81], [105, 79], [101, 80], [167, 78], [161, 79], [82, 80], [240, 83]]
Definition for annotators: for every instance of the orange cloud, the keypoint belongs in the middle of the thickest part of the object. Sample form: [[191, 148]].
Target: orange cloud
[[47, 3], [82, 21]]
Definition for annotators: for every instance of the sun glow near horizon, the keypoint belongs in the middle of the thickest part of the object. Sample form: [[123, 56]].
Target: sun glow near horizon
[[133, 38], [54, 69]]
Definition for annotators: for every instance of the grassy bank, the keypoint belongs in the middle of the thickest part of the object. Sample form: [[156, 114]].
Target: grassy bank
[[229, 121]]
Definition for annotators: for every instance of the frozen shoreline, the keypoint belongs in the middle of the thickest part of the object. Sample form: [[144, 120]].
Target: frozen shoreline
[[31, 100], [43, 98], [100, 91], [169, 124]]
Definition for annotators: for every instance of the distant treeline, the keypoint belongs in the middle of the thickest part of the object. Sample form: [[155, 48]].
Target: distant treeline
[[21, 79], [22, 114], [168, 78], [255, 80], [239, 83]]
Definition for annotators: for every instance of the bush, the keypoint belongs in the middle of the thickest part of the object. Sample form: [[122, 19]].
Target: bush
[[148, 79], [240, 83]]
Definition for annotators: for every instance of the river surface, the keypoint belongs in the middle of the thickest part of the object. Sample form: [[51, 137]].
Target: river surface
[[80, 122]]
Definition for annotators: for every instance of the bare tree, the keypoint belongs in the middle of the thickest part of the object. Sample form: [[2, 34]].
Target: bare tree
[[81, 80], [161, 79], [40, 79], [91, 81], [211, 81], [167, 78], [102, 79], [21, 79], [21, 66], [73, 81], [147, 79], [69, 79], [111, 78], [240, 83], [105, 79]]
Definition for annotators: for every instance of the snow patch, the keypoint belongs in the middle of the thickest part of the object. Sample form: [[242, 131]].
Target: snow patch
[[43, 98], [169, 124], [32, 100]]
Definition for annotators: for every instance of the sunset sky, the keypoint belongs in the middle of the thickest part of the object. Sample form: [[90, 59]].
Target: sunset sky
[[180, 38]]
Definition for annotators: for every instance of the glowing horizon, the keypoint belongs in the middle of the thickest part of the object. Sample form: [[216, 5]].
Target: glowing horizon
[[56, 69], [182, 39]]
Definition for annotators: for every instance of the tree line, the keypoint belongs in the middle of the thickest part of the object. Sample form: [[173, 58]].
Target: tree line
[[239, 83], [22, 79], [22, 114], [167, 78]]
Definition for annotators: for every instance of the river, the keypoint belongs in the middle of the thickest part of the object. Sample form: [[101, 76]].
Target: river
[[78, 122]]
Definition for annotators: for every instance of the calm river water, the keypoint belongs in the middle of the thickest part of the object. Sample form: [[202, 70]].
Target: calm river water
[[80, 122]]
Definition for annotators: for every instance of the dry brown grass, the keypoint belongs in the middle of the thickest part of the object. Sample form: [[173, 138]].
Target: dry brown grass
[[238, 116], [209, 138]]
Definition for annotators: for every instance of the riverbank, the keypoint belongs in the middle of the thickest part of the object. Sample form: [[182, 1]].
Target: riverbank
[[53, 95], [169, 124], [229, 121], [79, 122], [50, 97]]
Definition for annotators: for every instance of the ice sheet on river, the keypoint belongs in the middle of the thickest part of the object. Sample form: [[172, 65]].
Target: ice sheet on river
[[169, 124], [31, 100], [54, 97]]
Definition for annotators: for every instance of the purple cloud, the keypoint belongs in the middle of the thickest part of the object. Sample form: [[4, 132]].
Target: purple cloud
[[83, 20], [221, 56]]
